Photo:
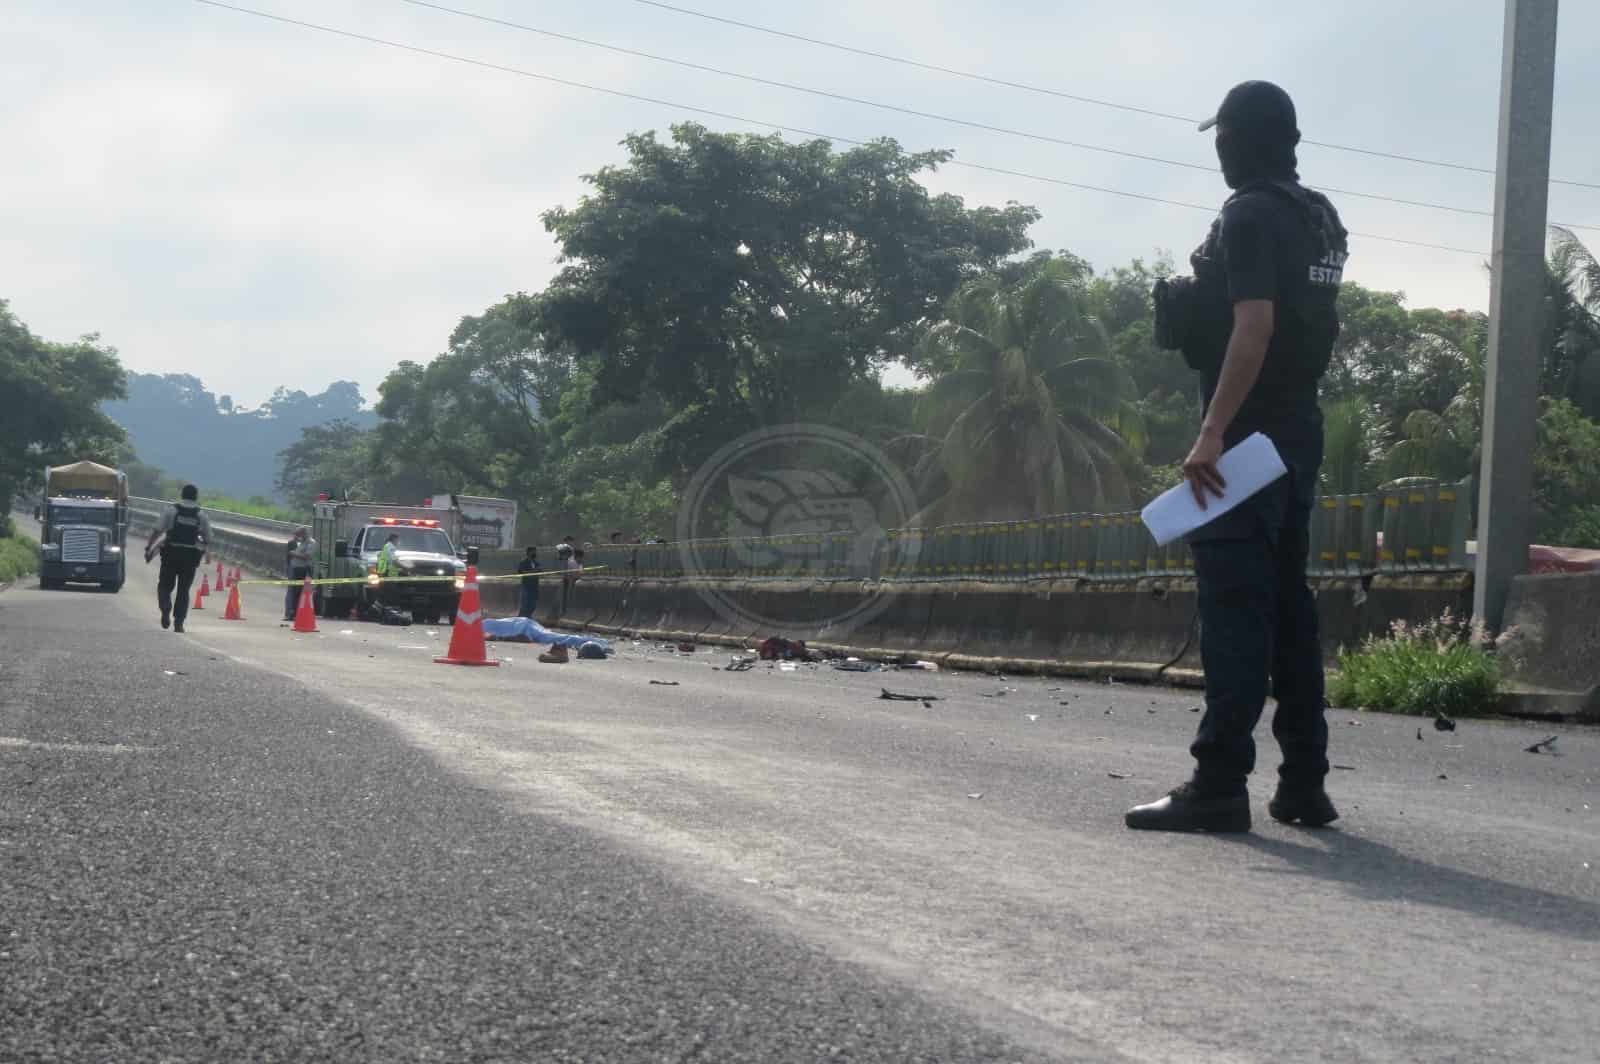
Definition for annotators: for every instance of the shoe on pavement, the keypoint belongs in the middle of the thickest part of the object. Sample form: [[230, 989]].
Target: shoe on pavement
[[178, 627], [1310, 806], [555, 656], [1187, 808], [166, 620]]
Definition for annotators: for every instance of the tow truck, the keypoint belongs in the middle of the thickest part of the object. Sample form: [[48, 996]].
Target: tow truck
[[350, 535]]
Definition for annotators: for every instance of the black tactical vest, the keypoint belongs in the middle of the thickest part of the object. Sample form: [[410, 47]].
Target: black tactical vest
[[185, 530]]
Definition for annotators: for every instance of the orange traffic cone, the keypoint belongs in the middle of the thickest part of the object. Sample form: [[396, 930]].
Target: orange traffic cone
[[305, 618], [233, 612], [220, 580], [237, 576], [201, 593], [466, 639]]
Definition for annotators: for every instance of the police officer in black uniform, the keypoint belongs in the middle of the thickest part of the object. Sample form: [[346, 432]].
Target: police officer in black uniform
[[1258, 321], [187, 536]]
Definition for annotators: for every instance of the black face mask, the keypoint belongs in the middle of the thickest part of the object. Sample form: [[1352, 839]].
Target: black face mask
[[1248, 156]]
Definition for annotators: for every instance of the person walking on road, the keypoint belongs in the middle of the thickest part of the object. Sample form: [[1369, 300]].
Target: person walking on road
[[1258, 321], [530, 583], [302, 549], [185, 536]]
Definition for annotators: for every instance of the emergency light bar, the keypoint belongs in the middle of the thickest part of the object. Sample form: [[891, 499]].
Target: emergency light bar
[[418, 521]]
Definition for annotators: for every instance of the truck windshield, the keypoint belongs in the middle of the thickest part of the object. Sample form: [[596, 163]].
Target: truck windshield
[[105, 517], [426, 540]]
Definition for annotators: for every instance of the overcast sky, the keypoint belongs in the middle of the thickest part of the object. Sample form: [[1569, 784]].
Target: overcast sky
[[260, 204]]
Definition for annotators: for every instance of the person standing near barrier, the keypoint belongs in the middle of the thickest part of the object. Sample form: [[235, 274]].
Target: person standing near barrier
[[1258, 321], [302, 548], [529, 601], [187, 536], [564, 562]]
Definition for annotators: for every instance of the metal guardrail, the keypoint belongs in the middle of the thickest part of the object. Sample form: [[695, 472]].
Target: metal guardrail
[[264, 525], [1409, 529]]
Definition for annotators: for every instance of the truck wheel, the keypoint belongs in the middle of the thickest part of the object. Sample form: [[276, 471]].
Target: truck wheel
[[51, 584], [112, 586]]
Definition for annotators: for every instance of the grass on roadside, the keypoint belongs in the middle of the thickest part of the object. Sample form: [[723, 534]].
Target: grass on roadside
[[19, 556], [1442, 667]]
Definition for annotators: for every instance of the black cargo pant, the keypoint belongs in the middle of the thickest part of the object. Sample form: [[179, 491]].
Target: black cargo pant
[[178, 566], [1258, 621]]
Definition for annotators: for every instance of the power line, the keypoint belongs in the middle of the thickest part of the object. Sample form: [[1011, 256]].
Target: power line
[[880, 105], [620, 94], [1059, 94]]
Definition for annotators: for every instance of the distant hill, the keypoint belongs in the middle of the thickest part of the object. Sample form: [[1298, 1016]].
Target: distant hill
[[174, 423]]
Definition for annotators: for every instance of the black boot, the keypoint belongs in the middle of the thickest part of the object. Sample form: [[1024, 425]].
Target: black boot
[[1310, 806], [1188, 808]]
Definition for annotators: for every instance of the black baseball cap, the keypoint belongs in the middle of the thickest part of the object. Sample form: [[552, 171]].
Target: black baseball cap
[[1255, 105]]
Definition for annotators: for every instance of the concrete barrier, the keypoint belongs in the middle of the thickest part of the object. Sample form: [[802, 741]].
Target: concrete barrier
[[1552, 645]]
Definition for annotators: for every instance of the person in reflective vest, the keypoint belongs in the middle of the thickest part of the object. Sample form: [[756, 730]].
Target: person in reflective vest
[[185, 535], [388, 566]]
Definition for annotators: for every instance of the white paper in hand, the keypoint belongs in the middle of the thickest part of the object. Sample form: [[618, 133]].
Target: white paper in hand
[[1246, 469]]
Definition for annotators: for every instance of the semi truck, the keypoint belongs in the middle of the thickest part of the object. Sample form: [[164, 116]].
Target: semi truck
[[350, 536], [85, 518]]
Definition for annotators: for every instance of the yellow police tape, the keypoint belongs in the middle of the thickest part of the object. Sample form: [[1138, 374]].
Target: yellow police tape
[[413, 579]]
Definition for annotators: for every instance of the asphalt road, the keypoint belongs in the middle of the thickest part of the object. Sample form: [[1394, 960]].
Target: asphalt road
[[246, 843]]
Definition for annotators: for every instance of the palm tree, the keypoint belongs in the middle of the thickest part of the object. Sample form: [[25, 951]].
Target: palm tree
[[1026, 415], [1353, 435], [1572, 361]]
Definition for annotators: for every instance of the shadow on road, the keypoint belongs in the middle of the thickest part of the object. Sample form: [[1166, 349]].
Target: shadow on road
[[1374, 871]]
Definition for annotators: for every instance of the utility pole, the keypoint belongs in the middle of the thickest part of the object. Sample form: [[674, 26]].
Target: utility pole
[[1516, 304]]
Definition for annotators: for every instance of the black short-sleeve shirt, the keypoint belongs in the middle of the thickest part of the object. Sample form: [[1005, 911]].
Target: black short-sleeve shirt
[[1283, 244]]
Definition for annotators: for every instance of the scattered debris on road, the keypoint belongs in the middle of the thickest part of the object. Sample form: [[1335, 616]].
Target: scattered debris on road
[[686, 648], [893, 696], [1443, 723], [856, 665], [1419, 735], [1031, 717], [1544, 746], [975, 795], [1119, 775], [739, 664], [663, 683], [1443, 776], [1345, 768]]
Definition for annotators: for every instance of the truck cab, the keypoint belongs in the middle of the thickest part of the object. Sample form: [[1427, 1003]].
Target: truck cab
[[85, 518]]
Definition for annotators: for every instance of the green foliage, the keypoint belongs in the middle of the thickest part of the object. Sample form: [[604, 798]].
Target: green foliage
[[1028, 414], [1442, 667], [1353, 435], [757, 279], [1566, 473], [19, 556], [50, 396], [334, 458]]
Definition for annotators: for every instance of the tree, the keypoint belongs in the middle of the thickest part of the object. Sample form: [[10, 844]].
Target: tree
[[1028, 416], [1571, 366], [50, 396], [1353, 437], [748, 281], [1566, 475], [332, 458]]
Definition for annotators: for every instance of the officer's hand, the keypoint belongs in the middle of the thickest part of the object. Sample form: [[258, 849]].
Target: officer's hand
[[1200, 468]]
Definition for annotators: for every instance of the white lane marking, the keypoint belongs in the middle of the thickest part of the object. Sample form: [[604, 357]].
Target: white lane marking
[[74, 748]]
